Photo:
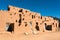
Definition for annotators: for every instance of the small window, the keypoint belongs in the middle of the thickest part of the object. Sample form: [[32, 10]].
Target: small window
[[32, 16], [53, 23], [19, 20], [16, 20], [25, 24], [37, 27], [59, 24], [41, 17], [56, 24], [19, 15], [45, 24], [8, 9], [36, 23], [23, 18], [26, 11], [20, 10]]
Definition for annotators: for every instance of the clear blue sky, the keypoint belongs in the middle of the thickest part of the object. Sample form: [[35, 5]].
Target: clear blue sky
[[45, 7]]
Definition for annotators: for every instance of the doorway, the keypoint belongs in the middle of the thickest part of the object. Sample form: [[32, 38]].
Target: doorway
[[48, 27], [10, 27]]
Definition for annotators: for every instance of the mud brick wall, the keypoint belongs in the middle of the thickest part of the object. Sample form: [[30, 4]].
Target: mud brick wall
[[19, 20]]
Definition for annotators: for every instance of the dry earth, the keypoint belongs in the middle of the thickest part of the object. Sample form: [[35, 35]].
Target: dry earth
[[41, 36]]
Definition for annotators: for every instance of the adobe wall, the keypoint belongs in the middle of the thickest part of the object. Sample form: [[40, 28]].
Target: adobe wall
[[26, 21]]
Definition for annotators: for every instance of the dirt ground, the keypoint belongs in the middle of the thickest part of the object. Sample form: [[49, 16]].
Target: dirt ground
[[40, 36]]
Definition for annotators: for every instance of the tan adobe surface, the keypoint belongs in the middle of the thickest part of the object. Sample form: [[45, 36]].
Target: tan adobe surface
[[19, 20]]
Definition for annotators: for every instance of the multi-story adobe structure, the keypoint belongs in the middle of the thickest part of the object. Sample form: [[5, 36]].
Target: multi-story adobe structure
[[19, 20]]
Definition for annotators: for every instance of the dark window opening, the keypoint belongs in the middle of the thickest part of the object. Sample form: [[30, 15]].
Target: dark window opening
[[20, 10], [32, 16], [20, 15], [26, 11], [19, 20], [59, 24], [45, 24], [23, 18], [53, 23], [56, 24], [16, 20], [41, 17], [25, 25], [48, 27], [8, 9], [37, 27], [10, 27], [36, 23]]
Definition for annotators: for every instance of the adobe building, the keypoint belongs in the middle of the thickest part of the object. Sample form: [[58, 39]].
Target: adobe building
[[19, 20]]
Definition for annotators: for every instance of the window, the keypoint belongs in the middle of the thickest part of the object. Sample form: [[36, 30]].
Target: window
[[26, 11], [53, 23], [59, 24], [20, 15], [16, 20], [25, 24], [32, 16], [36, 23], [41, 17], [23, 18], [37, 27], [8, 9], [19, 20], [20, 10]]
